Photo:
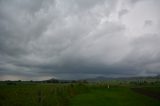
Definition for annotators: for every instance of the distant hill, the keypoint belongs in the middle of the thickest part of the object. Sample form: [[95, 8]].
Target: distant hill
[[99, 78], [102, 78]]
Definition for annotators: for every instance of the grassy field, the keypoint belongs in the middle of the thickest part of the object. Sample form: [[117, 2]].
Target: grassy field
[[113, 97], [74, 95], [39, 94]]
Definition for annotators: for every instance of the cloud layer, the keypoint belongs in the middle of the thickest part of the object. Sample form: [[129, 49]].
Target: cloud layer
[[78, 38]]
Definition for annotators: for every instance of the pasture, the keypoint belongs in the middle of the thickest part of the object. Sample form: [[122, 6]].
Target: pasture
[[77, 94]]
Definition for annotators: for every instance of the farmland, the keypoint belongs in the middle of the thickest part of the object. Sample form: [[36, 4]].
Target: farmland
[[77, 94]]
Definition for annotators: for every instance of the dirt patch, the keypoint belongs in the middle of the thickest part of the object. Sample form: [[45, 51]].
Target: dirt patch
[[147, 92]]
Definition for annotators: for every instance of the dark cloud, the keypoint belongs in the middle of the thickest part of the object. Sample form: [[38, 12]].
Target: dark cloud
[[123, 12], [148, 23], [77, 39]]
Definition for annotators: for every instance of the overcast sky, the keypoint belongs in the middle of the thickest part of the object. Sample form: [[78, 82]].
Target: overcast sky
[[72, 39]]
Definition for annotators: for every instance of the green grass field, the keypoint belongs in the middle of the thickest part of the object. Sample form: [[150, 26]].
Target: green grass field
[[113, 97], [73, 95]]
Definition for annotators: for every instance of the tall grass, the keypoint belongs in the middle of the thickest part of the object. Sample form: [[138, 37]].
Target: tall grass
[[39, 94]]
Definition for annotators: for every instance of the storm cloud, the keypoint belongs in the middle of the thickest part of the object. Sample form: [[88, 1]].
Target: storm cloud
[[72, 39]]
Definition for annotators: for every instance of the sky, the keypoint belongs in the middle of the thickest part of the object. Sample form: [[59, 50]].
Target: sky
[[76, 39]]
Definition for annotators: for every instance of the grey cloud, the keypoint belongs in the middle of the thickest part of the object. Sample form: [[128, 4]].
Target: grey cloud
[[145, 54], [148, 23], [123, 12], [134, 2], [71, 39]]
